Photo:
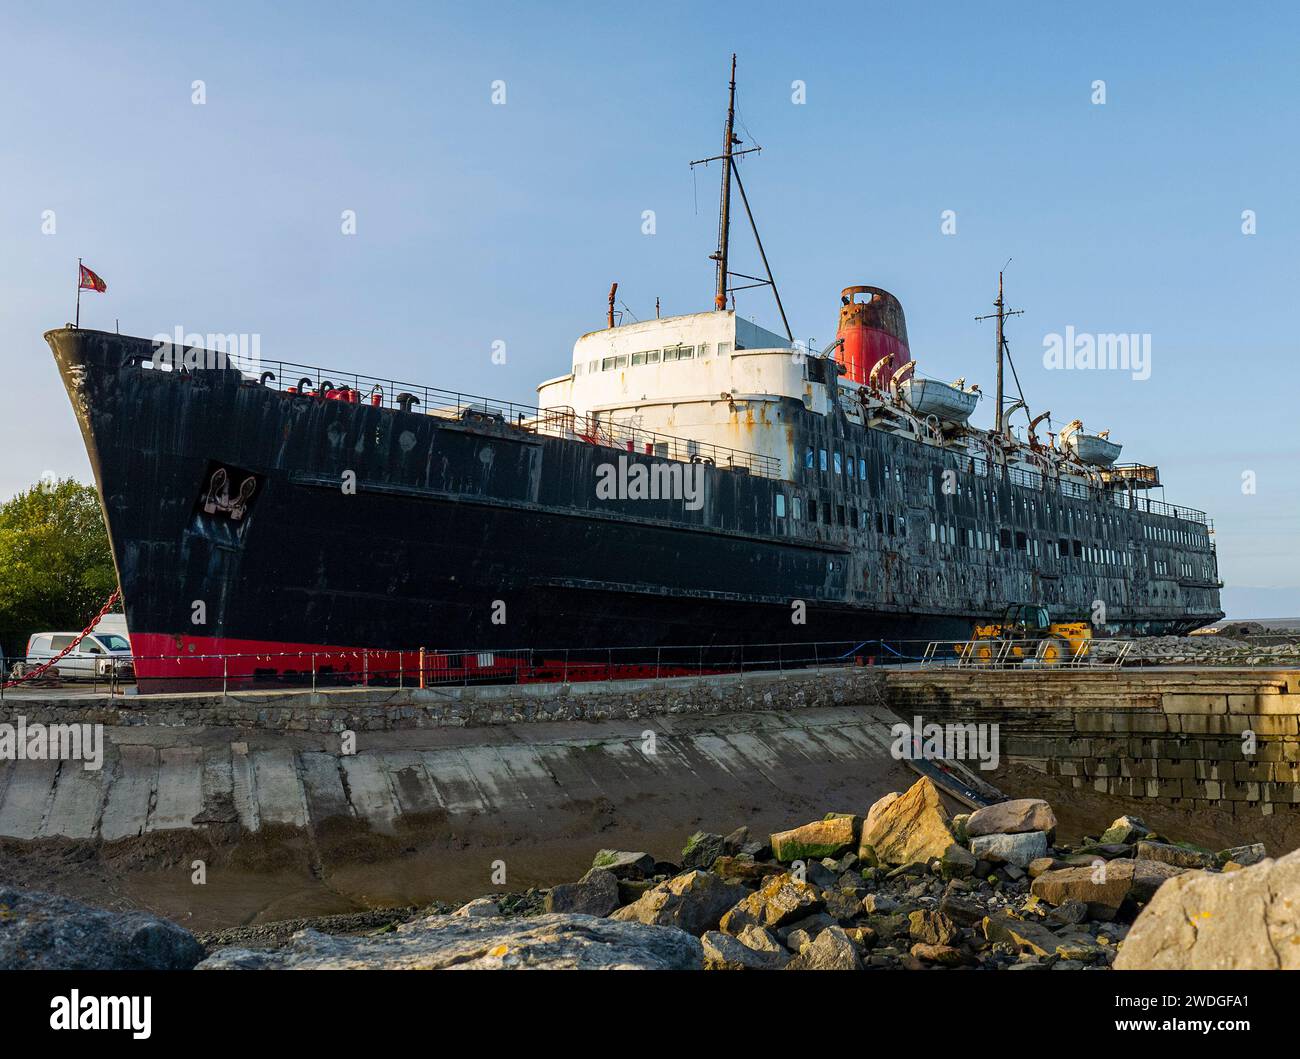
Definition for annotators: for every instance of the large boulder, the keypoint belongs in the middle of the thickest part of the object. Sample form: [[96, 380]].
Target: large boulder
[[1239, 921], [722, 952], [1149, 876], [1102, 887], [830, 837], [1012, 818], [693, 902], [551, 942], [831, 950], [596, 894], [912, 828], [1020, 850], [1025, 935], [45, 932], [702, 849], [624, 864], [1127, 829], [781, 900]]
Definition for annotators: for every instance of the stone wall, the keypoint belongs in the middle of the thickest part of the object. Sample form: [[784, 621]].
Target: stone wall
[[1181, 737], [390, 708]]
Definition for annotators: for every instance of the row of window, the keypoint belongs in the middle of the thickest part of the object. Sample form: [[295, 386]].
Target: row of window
[[666, 355], [941, 533]]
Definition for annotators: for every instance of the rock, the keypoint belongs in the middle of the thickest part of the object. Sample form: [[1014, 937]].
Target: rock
[[1018, 849], [762, 940], [945, 955], [1012, 818], [877, 809], [722, 952], [957, 863], [1038, 865], [701, 850], [485, 906], [45, 932], [812, 842], [1068, 913], [1102, 888], [1242, 855], [735, 842], [862, 937], [555, 942], [811, 925], [625, 865], [743, 869], [693, 902], [1024, 935], [879, 903], [1201, 921], [1149, 876], [629, 889], [934, 928], [597, 894], [912, 828], [831, 950], [797, 939], [1178, 856], [780, 900], [959, 831], [1127, 829], [891, 927], [843, 905], [961, 910]]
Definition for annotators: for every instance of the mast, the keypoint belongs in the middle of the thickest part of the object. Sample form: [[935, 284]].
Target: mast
[[999, 419], [722, 255], [997, 422], [724, 219]]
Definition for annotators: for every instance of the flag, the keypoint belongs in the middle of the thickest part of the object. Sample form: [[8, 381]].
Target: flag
[[89, 281]]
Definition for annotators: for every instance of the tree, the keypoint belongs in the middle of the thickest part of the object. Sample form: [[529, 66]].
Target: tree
[[56, 569]]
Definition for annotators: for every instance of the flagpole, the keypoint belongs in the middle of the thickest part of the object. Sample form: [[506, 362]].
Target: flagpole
[[78, 323]]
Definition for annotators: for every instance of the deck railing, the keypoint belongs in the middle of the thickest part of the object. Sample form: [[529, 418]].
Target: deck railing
[[354, 388]]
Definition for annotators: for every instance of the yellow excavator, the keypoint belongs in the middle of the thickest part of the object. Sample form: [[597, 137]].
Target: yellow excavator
[[1026, 635]]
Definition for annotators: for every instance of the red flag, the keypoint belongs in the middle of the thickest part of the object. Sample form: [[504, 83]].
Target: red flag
[[89, 281]]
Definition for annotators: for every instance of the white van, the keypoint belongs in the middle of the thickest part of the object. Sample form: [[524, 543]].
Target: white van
[[101, 654]]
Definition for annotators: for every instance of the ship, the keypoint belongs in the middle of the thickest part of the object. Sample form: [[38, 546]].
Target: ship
[[687, 481]]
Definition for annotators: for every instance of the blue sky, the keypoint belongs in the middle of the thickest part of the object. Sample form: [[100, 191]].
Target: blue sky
[[479, 223]]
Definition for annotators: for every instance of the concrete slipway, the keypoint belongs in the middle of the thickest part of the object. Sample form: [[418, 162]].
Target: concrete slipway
[[420, 814]]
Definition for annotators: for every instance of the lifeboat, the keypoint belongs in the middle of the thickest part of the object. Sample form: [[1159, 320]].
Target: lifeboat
[[1095, 449], [929, 397]]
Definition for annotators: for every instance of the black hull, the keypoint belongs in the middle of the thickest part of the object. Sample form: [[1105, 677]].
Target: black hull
[[477, 534]]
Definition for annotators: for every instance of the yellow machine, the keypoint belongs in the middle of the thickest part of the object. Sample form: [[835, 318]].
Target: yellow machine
[[1026, 634]]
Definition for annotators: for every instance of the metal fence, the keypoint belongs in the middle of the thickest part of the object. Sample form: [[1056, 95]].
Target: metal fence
[[1027, 654]]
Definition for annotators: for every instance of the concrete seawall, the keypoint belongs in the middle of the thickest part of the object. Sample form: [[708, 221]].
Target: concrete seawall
[[1191, 738], [440, 790]]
